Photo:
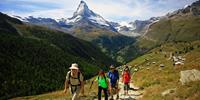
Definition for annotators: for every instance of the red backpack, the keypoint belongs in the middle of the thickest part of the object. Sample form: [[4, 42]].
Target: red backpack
[[126, 77]]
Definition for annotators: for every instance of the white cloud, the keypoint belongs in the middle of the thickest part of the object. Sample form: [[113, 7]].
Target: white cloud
[[110, 9]]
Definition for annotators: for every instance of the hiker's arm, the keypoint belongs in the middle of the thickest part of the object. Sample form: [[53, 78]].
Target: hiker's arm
[[66, 86], [117, 78], [82, 84], [66, 83], [122, 78], [82, 87], [109, 86]]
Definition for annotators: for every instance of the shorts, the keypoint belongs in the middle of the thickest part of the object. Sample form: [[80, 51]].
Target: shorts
[[114, 85], [75, 90], [126, 86]]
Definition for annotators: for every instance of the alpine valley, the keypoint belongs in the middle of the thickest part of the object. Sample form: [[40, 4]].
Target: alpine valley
[[85, 24], [36, 52]]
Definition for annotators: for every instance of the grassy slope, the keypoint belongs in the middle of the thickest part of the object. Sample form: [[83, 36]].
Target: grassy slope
[[181, 28], [90, 93], [156, 81], [178, 28], [153, 80]]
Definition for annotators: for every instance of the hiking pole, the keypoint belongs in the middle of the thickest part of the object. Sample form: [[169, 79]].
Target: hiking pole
[[91, 86]]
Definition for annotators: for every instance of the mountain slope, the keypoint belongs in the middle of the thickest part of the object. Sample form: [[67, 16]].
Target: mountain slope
[[150, 77], [155, 79], [35, 59], [183, 25], [136, 28], [180, 26], [109, 42]]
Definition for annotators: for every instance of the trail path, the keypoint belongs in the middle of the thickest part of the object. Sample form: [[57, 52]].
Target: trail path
[[134, 93]]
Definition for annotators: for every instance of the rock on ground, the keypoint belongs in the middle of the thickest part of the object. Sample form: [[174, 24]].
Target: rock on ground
[[169, 91], [189, 75]]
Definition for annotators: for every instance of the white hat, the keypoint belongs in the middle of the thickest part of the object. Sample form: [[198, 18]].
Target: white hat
[[112, 66], [74, 66]]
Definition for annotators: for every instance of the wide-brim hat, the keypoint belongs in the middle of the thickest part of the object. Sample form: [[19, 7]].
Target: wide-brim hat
[[74, 66], [111, 67]]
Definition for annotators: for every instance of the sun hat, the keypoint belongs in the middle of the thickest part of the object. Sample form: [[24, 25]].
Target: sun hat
[[74, 66], [111, 67]]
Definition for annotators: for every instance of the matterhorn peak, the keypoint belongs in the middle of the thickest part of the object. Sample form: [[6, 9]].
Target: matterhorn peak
[[83, 15], [83, 10]]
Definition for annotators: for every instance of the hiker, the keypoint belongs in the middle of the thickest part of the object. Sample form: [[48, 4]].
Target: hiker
[[103, 84], [126, 77], [74, 79], [113, 74]]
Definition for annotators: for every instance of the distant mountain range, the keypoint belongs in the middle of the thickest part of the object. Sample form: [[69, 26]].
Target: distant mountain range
[[83, 16], [113, 37], [85, 24]]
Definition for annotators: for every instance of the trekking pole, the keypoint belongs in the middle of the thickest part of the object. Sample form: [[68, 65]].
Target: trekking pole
[[92, 83], [91, 86]]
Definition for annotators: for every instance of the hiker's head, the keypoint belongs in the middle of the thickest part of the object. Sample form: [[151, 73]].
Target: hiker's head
[[74, 68], [126, 66], [112, 68], [126, 69], [101, 72]]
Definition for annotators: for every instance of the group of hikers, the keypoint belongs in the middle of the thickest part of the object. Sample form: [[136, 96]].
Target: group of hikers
[[108, 83]]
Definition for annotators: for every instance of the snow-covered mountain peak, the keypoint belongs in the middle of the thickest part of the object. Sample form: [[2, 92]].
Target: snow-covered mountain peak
[[83, 10], [84, 13]]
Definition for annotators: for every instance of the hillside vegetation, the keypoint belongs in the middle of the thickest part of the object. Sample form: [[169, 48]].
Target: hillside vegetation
[[109, 42], [181, 28], [35, 60], [155, 79]]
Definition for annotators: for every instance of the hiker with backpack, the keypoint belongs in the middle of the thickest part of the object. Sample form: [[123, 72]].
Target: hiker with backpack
[[113, 74], [74, 80], [103, 84], [126, 77]]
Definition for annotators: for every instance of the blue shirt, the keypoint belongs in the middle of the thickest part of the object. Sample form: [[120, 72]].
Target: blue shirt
[[114, 76]]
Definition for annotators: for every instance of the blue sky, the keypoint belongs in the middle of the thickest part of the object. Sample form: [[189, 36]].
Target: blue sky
[[112, 10]]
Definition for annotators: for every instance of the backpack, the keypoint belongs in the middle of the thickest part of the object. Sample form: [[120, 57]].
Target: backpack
[[104, 79], [103, 76], [70, 76], [126, 77]]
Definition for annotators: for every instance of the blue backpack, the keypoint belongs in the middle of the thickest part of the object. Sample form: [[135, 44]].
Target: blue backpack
[[114, 76]]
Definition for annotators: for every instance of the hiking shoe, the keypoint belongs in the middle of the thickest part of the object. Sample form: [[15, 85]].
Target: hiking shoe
[[111, 98], [117, 97]]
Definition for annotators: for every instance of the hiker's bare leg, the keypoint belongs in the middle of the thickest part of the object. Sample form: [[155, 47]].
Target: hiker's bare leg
[[111, 92], [75, 95]]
